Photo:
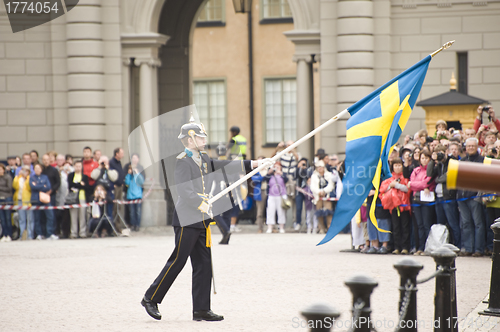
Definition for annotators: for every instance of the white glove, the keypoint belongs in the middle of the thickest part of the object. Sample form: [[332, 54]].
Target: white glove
[[267, 161]]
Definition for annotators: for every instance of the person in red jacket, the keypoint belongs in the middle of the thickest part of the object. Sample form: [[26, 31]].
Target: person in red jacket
[[422, 185], [89, 164], [396, 198], [494, 122]]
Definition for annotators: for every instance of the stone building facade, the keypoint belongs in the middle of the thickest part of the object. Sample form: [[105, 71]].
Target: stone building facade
[[91, 76]]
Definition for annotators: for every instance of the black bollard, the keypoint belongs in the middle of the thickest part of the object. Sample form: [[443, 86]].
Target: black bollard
[[361, 288], [494, 302], [453, 287], [443, 316], [320, 317], [408, 270]]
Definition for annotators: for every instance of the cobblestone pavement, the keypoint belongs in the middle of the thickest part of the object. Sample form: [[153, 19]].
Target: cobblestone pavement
[[262, 282]]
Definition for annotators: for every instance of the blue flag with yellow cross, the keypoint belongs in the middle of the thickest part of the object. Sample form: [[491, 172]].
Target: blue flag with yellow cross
[[375, 126]]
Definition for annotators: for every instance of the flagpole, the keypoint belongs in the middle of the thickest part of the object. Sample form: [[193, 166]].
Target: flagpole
[[277, 156], [444, 47]]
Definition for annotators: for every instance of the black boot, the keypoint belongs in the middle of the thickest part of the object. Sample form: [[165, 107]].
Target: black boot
[[151, 308], [206, 315], [225, 238]]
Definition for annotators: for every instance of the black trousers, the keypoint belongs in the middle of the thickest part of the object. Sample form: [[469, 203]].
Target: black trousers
[[401, 226], [222, 224], [189, 242]]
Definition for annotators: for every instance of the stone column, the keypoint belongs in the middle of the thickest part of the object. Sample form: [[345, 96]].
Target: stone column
[[148, 95], [126, 98], [154, 208], [304, 103], [355, 59], [86, 116]]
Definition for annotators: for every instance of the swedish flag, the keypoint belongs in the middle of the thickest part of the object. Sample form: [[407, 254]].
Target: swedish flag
[[375, 126]]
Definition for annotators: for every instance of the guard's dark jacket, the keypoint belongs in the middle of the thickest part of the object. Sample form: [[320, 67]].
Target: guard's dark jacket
[[192, 182]]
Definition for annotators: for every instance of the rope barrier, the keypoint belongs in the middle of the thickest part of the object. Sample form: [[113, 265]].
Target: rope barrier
[[74, 206], [404, 205], [446, 201]]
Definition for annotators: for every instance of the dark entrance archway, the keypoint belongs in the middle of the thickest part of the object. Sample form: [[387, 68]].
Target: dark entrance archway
[[177, 20]]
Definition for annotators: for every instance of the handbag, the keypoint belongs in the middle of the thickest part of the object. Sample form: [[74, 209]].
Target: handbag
[[72, 198], [44, 197], [285, 202], [96, 211]]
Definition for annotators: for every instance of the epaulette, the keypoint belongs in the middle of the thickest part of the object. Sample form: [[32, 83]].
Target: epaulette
[[181, 155], [204, 152]]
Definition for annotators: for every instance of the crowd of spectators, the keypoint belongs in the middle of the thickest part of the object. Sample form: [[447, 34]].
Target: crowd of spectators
[[59, 180], [409, 203]]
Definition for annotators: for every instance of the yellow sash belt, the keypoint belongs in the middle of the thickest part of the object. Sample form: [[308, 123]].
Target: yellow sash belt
[[209, 235]]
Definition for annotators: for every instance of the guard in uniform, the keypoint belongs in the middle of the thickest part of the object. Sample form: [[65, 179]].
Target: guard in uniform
[[191, 224]]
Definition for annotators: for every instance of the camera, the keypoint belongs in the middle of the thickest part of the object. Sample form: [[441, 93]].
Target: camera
[[494, 150], [440, 156], [486, 109]]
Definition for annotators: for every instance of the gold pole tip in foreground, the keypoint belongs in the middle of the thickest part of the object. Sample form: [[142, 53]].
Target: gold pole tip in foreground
[[444, 47], [448, 44]]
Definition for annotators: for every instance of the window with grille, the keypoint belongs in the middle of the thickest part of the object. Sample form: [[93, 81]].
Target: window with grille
[[272, 9], [280, 110], [212, 12], [210, 100]]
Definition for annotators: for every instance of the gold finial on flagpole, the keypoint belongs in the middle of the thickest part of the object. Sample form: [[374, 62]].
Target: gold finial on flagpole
[[444, 47]]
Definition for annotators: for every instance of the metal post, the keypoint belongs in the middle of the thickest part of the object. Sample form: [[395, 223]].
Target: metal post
[[320, 317], [361, 288], [494, 302], [408, 270], [453, 287], [443, 319]]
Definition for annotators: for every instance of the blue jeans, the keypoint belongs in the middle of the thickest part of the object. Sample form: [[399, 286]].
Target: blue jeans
[[449, 212], [49, 216], [5, 217], [375, 234], [299, 202], [424, 217], [135, 214], [26, 221], [472, 223]]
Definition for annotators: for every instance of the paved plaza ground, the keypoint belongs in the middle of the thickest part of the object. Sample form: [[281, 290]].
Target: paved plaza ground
[[262, 282]]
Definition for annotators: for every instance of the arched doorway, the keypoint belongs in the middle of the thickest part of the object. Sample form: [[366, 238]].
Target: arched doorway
[[161, 49], [176, 20]]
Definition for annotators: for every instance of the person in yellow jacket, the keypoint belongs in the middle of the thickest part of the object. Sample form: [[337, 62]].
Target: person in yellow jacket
[[237, 146], [22, 196]]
